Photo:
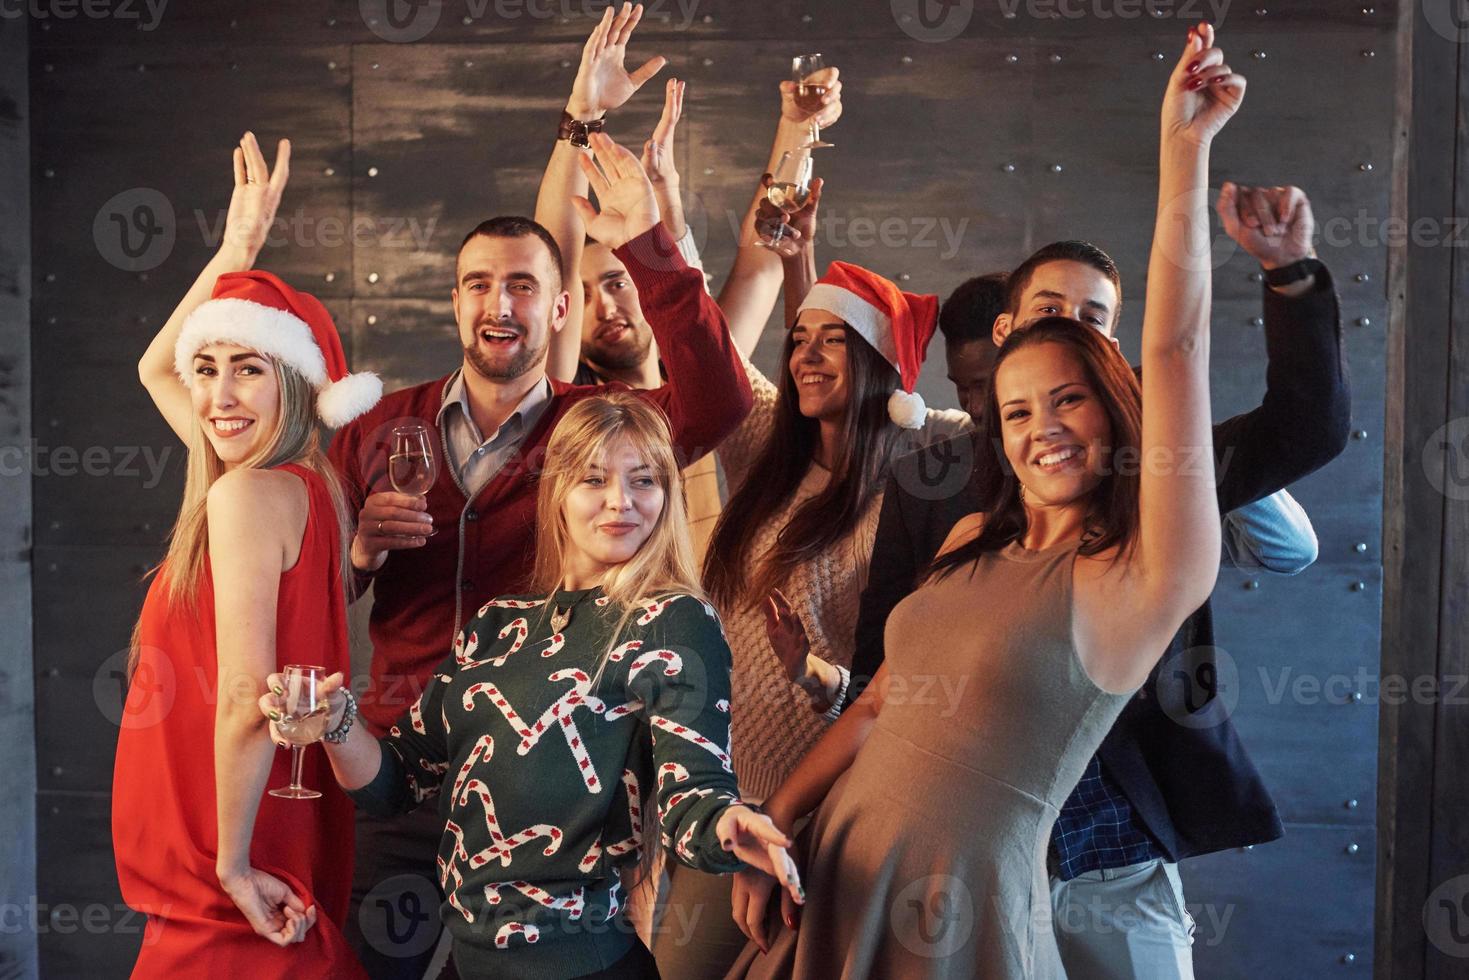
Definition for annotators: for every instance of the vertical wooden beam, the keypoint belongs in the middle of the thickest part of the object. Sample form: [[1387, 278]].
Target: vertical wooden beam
[[1412, 808], [17, 673]]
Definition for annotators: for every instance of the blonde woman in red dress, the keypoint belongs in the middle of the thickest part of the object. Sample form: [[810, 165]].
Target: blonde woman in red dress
[[235, 881]]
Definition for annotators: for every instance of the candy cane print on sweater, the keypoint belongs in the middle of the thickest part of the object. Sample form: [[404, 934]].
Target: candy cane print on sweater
[[450, 869], [560, 713], [574, 904], [502, 937]]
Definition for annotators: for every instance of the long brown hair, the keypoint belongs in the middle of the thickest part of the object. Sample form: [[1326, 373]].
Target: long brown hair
[[1112, 515], [735, 577], [295, 439]]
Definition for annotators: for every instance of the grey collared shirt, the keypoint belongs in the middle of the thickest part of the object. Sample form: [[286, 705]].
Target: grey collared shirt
[[478, 459]]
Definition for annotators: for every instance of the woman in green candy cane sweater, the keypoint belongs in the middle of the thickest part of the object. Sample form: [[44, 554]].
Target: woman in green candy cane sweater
[[566, 722]]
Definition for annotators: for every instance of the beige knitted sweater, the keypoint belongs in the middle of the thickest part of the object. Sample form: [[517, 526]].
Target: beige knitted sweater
[[772, 725]]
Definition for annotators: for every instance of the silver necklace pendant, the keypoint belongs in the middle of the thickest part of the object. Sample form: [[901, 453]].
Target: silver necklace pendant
[[559, 619]]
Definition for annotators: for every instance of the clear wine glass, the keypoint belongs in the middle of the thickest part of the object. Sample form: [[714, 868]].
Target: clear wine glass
[[303, 721], [808, 94], [412, 463], [790, 188]]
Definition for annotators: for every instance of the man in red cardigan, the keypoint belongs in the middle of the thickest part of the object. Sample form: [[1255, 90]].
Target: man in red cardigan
[[433, 560]]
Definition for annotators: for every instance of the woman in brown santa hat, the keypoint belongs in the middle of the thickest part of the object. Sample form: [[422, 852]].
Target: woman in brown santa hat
[[232, 878]]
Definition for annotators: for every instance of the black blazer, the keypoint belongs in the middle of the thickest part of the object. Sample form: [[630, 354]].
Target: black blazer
[[1173, 750]]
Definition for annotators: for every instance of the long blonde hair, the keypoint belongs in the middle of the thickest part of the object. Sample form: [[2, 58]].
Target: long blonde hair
[[665, 562], [294, 440]]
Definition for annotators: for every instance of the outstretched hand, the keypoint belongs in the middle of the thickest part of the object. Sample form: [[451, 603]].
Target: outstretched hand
[[658, 151], [1203, 92], [257, 195], [754, 839], [1273, 224], [823, 110], [628, 207], [602, 81]]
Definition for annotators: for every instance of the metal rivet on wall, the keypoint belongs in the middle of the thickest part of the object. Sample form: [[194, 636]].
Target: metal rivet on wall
[[372, 319], [1257, 321], [1360, 434], [1054, 59], [1257, 277], [53, 672], [51, 319], [1356, 697], [468, 63], [1009, 168], [903, 277], [50, 277], [1365, 166], [330, 277], [329, 171], [142, 68], [1364, 321], [1349, 958], [806, 18], [1368, 53], [234, 66], [372, 277], [1009, 15], [372, 171], [1368, 11], [1011, 59], [708, 171], [1159, 12], [1158, 55], [707, 62], [466, 20], [1258, 54], [1252, 585], [1352, 804], [1353, 848], [330, 22], [708, 18], [373, 66], [49, 173], [1359, 586], [1055, 168], [1248, 847], [1360, 547], [142, 277], [331, 66], [907, 59], [50, 67], [57, 771], [565, 63], [1361, 277]]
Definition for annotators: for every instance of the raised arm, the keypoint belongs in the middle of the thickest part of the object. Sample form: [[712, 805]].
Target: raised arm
[[757, 273], [707, 394], [253, 204], [1123, 627], [602, 84], [1304, 419], [1273, 534]]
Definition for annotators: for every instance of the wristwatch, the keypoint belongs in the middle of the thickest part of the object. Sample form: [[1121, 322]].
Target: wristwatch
[[349, 715], [1295, 272], [576, 130]]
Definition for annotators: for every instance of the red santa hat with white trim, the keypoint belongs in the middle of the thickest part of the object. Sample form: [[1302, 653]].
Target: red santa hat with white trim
[[257, 310], [898, 325]]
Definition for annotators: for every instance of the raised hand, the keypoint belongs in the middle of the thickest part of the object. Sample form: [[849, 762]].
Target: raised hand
[[602, 82], [826, 111], [269, 905], [787, 635], [658, 151], [800, 227], [628, 206], [1203, 92], [256, 197], [1273, 224]]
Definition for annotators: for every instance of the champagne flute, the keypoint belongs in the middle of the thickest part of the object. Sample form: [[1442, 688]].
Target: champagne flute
[[412, 463], [303, 721], [789, 190], [808, 94]]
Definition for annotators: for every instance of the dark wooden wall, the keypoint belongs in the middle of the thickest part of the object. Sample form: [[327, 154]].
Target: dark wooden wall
[[17, 708], [969, 139], [1424, 880]]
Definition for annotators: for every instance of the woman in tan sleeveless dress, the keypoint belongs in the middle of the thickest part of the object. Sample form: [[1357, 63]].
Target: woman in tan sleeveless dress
[[1043, 614]]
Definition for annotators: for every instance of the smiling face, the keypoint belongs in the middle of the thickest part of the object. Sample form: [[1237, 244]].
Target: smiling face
[[237, 398], [614, 335], [818, 364], [1064, 288], [507, 301], [610, 511], [1054, 425]]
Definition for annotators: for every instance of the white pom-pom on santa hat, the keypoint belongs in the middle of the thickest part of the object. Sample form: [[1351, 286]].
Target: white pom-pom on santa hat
[[898, 325], [257, 310]]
